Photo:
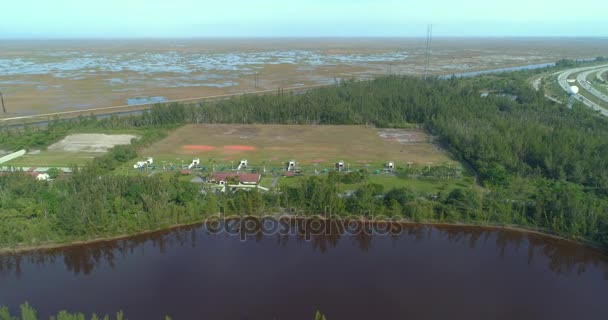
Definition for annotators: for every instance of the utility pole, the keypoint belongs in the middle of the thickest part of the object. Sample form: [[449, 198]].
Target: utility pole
[[256, 80], [2, 99]]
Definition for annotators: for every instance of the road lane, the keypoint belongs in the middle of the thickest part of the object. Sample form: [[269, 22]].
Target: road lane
[[582, 77], [562, 80]]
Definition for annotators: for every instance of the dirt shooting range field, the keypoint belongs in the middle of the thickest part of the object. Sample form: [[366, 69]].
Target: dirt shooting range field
[[274, 145], [221, 147]]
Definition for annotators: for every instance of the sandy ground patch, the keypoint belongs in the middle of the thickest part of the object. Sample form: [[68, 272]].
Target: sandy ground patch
[[308, 145], [199, 148], [403, 136], [90, 142]]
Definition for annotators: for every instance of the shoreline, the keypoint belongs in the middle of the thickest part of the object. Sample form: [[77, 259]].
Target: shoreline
[[495, 227], [53, 246]]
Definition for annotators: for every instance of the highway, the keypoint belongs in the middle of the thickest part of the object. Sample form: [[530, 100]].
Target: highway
[[598, 75], [562, 79], [582, 77]]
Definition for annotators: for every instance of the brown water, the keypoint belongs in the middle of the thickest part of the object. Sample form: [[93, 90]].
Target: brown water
[[425, 272]]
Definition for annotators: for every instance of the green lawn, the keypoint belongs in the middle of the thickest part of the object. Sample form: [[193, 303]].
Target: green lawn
[[55, 158], [266, 181], [593, 98], [553, 89], [52, 159]]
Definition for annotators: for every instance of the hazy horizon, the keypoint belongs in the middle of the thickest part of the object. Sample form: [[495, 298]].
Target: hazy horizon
[[423, 37], [113, 19]]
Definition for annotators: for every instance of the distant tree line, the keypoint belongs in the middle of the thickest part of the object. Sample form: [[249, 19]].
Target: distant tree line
[[571, 63]]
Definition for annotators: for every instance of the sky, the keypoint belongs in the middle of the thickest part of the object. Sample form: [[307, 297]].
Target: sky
[[302, 18]]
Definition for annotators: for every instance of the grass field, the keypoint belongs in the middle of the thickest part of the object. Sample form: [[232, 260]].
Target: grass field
[[553, 89], [602, 87], [52, 159], [75, 149], [273, 145]]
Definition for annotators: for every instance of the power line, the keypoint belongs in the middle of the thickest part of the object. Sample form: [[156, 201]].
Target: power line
[[2, 99], [429, 44]]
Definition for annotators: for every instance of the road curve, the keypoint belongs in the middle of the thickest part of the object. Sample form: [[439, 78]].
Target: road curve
[[562, 81], [582, 77], [598, 75], [536, 85]]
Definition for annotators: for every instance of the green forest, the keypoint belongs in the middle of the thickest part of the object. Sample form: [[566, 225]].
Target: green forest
[[539, 164]]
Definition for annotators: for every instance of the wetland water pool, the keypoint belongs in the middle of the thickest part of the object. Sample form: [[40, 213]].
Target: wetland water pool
[[45, 76], [421, 272]]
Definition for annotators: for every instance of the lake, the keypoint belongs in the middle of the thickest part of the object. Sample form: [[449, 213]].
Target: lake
[[416, 272]]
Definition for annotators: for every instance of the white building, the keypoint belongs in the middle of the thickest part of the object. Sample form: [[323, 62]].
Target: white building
[[242, 165], [340, 165], [43, 176]]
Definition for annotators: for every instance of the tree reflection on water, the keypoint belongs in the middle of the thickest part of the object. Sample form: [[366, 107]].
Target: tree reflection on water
[[564, 257]]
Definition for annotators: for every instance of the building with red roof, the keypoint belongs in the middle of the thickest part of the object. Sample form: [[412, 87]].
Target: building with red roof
[[243, 178]]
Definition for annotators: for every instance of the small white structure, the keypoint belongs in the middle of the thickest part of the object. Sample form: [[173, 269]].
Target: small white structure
[[291, 165], [390, 166], [242, 165], [195, 163], [573, 90], [43, 176], [141, 164], [340, 165], [225, 178]]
